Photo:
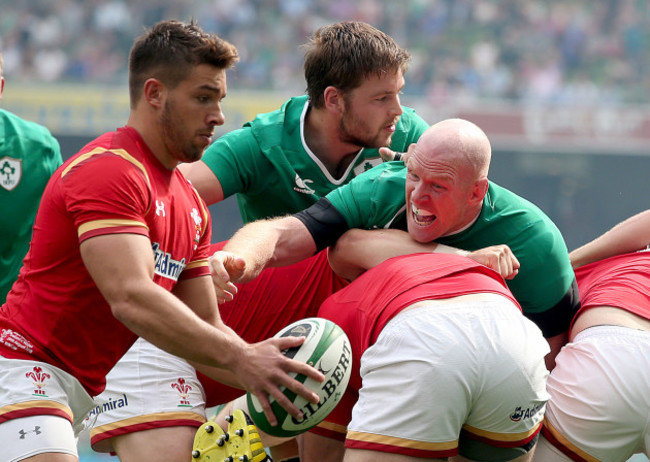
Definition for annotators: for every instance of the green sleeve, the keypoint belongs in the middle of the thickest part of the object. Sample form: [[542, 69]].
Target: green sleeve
[[237, 161], [372, 199], [546, 273]]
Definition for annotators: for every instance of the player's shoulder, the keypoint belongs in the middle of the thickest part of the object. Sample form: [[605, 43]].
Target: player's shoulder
[[521, 214], [410, 118], [109, 155], [383, 184], [386, 172], [13, 125], [288, 114]]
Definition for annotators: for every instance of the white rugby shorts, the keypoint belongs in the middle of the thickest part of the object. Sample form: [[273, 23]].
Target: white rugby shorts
[[442, 368], [148, 388], [45, 406], [600, 394]]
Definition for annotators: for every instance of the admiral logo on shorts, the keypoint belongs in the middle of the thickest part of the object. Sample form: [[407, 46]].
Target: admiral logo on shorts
[[108, 406], [527, 413], [166, 266]]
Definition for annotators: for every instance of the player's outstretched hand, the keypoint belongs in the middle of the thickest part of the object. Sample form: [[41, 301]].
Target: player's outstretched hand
[[226, 268], [498, 257], [264, 369]]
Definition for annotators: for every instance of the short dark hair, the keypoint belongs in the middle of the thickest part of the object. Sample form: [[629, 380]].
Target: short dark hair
[[170, 50], [342, 55]]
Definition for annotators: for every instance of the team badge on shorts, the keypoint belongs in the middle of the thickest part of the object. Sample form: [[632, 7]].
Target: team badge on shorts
[[183, 390], [11, 170], [39, 379]]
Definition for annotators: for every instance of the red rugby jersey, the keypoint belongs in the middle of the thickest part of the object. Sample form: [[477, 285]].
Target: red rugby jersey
[[622, 281], [115, 184], [363, 308]]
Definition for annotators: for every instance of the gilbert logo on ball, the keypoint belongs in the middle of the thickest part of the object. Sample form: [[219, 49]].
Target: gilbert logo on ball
[[327, 348]]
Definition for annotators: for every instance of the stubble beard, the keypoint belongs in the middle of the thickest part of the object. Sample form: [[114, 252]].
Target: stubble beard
[[363, 141], [183, 150]]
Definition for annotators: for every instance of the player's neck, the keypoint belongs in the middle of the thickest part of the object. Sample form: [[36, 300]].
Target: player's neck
[[322, 137], [153, 140]]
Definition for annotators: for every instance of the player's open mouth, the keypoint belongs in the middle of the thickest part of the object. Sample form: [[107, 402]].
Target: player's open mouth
[[422, 217]]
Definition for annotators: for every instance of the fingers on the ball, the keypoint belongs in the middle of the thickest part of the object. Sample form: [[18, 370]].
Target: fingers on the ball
[[290, 341], [266, 407], [303, 391], [287, 405]]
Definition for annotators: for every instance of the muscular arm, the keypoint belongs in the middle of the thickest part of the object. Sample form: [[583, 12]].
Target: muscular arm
[[266, 243], [122, 266], [630, 235], [191, 292], [204, 180], [359, 250]]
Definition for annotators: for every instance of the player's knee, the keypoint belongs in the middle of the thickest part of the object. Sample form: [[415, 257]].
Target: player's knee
[[478, 450]]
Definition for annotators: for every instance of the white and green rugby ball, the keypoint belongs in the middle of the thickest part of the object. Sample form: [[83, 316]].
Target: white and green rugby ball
[[327, 348]]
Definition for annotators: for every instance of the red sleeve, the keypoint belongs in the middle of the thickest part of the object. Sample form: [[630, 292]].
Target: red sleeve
[[106, 194]]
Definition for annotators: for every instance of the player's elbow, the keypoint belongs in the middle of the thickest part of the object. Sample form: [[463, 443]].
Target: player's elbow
[[342, 255]]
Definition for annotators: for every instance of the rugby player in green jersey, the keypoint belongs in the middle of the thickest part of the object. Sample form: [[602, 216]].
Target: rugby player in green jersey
[[29, 154], [442, 196], [283, 161]]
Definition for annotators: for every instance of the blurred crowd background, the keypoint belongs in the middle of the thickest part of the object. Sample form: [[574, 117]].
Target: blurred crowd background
[[571, 51]]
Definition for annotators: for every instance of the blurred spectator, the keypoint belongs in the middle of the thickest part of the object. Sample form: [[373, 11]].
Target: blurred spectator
[[569, 51]]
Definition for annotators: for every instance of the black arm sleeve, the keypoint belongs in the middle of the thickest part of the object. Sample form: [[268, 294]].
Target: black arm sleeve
[[557, 319], [324, 222]]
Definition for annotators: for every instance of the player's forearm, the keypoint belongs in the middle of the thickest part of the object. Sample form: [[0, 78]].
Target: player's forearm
[[628, 236], [359, 250], [164, 320], [268, 243]]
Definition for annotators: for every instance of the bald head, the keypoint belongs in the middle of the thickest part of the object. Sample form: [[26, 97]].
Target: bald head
[[456, 142]]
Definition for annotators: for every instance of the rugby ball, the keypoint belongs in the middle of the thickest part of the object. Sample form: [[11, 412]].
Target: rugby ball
[[328, 349]]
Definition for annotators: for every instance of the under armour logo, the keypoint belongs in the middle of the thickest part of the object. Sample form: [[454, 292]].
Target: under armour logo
[[160, 208], [36, 430]]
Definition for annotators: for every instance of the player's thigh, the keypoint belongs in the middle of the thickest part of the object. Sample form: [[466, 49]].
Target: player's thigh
[[52, 457], [598, 375], [169, 444], [148, 388], [524, 458], [285, 452], [38, 437], [321, 448], [546, 452], [362, 455]]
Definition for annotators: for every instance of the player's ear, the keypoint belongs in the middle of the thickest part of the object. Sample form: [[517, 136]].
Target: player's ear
[[479, 190], [154, 92], [334, 99]]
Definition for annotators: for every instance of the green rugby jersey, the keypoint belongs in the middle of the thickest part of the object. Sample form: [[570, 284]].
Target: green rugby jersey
[[377, 200], [29, 154], [271, 169]]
